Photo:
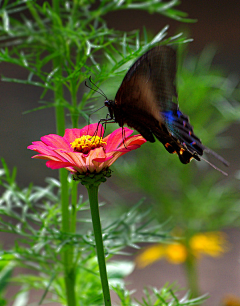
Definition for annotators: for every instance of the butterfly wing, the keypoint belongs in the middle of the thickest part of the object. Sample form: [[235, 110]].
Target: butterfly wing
[[157, 69], [147, 101], [149, 84]]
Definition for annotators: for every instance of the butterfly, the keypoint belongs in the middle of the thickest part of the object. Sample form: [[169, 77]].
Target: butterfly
[[147, 101]]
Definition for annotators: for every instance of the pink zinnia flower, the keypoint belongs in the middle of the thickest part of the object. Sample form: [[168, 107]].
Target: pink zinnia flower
[[84, 150]]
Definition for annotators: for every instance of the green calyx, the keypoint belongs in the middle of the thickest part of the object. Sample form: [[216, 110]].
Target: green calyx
[[93, 178]]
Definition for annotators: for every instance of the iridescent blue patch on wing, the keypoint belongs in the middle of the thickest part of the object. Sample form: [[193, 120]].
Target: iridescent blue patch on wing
[[170, 117], [172, 121]]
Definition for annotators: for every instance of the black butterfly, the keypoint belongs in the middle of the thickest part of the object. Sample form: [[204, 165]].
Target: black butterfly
[[147, 101]]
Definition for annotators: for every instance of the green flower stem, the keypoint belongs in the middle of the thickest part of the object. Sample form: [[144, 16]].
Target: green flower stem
[[74, 207], [68, 221], [93, 199], [68, 226], [192, 275]]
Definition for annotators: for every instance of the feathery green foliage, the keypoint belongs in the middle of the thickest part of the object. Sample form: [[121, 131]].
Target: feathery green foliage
[[60, 45]]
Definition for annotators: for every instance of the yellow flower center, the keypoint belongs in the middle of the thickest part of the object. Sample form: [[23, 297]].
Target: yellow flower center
[[86, 143]]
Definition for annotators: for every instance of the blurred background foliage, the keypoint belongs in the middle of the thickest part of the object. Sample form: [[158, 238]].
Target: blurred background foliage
[[60, 46]]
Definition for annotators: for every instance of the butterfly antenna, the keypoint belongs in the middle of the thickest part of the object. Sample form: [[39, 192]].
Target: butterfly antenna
[[98, 90]]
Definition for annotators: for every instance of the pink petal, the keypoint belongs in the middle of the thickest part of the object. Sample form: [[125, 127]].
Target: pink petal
[[55, 141], [100, 156], [132, 143], [40, 156], [99, 166], [114, 158], [76, 160], [116, 138], [94, 154], [43, 149], [71, 134], [93, 129], [38, 146], [101, 160], [57, 165]]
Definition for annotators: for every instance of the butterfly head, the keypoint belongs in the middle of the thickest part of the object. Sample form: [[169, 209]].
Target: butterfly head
[[110, 105]]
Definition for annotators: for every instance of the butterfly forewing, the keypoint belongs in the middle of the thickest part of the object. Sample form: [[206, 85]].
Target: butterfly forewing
[[149, 85]]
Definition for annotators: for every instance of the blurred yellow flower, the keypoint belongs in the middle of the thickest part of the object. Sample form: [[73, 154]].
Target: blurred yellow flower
[[211, 243], [150, 255], [231, 300], [176, 253]]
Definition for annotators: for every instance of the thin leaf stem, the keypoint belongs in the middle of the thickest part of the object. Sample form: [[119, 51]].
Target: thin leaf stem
[[74, 116]]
